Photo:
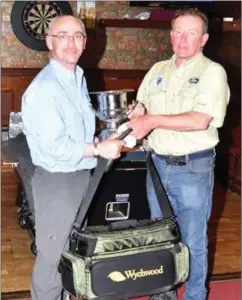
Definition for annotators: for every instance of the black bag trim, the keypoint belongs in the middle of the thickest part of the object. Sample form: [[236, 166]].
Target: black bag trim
[[66, 270], [84, 243], [84, 246], [144, 281], [98, 266]]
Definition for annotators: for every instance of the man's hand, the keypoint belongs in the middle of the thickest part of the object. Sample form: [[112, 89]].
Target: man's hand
[[141, 126], [111, 147], [135, 110]]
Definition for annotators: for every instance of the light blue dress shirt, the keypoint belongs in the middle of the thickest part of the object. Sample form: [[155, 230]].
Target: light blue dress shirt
[[58, 119]]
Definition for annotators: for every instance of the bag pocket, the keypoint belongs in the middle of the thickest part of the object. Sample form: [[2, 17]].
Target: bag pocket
[[137, 274], [125, 274], [73, 273]]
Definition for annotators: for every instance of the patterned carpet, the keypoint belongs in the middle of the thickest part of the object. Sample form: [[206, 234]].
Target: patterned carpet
[[222, 290]]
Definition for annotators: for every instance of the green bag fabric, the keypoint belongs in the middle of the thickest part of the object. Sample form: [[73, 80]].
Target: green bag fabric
[[124, 259], [115, 264]]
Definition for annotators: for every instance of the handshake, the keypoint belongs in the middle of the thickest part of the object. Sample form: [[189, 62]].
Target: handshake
[[111, 148], [134, 110]]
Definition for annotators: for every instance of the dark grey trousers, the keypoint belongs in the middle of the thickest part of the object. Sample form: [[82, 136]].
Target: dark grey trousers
[[57, 198]]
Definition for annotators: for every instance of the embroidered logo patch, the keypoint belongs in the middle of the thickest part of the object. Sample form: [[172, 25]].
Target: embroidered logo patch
[[158, 80], [193, 80]]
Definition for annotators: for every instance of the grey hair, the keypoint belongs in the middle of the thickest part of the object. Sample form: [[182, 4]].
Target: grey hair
[[195, 12], [54, 20]]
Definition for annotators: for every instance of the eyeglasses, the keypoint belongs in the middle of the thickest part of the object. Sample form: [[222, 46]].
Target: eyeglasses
[[64, 37]]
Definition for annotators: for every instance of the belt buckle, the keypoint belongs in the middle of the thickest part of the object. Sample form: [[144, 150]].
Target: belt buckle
[[169, 160], [176, 161]]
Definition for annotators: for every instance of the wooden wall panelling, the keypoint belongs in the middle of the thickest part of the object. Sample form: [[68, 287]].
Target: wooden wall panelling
[[104, 80], [225, 48], [14, 83], [7, 105], [235, 172], [119, 84], [229, 149], [228, 8]]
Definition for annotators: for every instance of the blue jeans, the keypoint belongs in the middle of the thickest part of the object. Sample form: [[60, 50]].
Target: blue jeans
[[189, 189]]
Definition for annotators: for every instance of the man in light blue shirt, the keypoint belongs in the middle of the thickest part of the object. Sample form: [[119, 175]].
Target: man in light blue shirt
[[59, 125]]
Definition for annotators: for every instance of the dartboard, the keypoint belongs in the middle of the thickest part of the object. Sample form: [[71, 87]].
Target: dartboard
[[37, 17], [30, 20]]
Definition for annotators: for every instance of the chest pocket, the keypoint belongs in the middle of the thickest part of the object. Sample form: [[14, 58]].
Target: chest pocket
[[157, 100], [189, 91], [187, 97]]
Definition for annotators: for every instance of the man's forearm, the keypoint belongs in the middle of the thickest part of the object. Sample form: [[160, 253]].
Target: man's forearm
[[89, 150], [188, 121]]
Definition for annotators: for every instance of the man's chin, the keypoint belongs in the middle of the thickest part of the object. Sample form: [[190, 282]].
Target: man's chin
[[72, 61], [183, 55]]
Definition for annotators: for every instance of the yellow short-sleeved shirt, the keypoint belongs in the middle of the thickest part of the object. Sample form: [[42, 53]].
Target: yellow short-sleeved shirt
[[197, 85]]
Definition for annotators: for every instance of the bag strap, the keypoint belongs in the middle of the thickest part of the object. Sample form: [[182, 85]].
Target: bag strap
[[161, 195], [91, 189], [102, 166]]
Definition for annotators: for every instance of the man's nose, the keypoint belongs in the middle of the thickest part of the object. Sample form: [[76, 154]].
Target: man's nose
[[71, 39], [184, 36]]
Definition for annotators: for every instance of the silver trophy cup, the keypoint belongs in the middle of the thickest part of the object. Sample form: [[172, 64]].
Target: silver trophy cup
[[111, 107]]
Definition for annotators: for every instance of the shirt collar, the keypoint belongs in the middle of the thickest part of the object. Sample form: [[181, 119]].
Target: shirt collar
[[189, 62], [65, 75]]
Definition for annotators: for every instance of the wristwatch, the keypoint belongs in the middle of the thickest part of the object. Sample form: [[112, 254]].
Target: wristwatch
[[96, 149]]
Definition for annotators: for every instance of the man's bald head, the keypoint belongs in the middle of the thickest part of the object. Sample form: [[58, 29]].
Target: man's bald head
[[66, 39], [65, 18]]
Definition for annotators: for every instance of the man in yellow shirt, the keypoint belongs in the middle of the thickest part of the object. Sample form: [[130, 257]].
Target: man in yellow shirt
[[185, 98]]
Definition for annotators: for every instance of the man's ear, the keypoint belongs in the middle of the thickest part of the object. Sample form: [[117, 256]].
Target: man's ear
[[84, 43], [49, 42], [205, 39], [171, 34]]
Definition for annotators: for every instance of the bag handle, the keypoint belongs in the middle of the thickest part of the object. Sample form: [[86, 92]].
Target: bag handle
[[103, 166], [119, 225]]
